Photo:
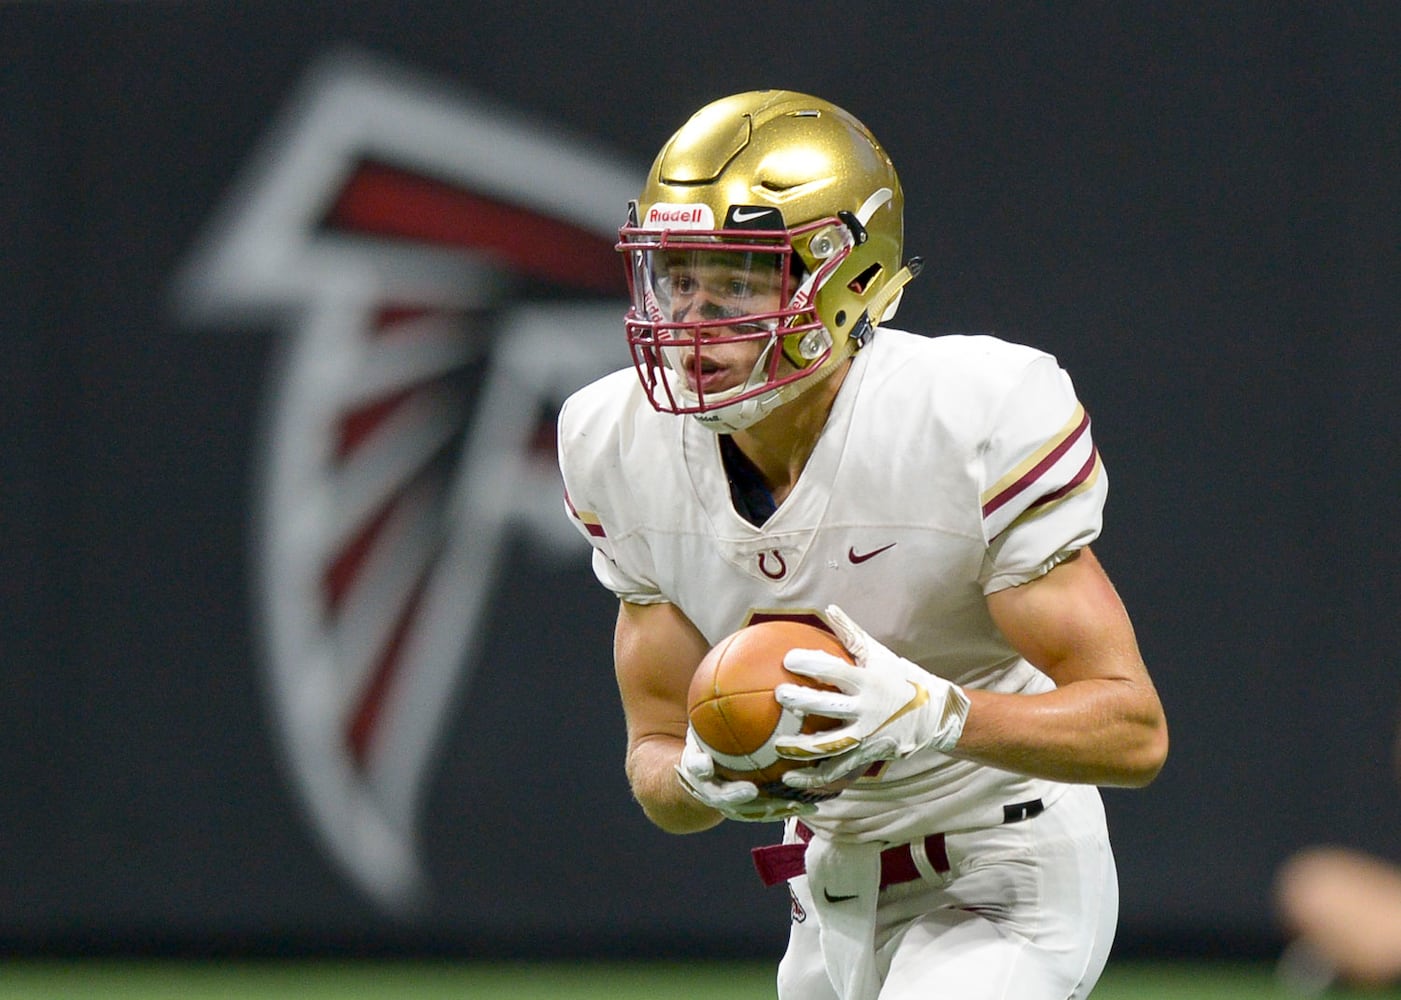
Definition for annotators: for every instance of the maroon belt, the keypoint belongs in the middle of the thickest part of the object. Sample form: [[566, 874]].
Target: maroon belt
[[779, 862]]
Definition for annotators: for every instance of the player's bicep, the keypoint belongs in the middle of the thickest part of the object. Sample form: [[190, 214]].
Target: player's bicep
[[655, 651], [1070, 623]]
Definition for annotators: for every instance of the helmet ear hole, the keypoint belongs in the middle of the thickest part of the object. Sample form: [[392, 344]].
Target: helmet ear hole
[[862, 281]]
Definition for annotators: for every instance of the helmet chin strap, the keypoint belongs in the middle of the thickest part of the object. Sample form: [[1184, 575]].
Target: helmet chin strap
[[748, 412], [728, 418]]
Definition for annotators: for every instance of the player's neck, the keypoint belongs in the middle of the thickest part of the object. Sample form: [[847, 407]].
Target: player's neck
[[781, 444]]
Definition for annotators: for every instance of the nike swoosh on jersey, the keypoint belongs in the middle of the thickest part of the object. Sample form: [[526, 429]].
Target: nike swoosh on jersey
[[857, 558]]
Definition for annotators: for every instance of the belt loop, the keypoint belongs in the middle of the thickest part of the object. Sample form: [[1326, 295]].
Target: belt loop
[[929, 867]]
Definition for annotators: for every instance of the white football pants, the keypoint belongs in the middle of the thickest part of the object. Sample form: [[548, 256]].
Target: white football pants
[[1028, 912]]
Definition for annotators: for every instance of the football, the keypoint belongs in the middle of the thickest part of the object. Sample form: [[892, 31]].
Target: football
[[731, 703]]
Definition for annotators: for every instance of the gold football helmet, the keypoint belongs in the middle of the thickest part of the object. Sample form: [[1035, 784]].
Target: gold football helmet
[[770, 216]]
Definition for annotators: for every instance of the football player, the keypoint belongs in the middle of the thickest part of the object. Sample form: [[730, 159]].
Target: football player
[[777, 450]]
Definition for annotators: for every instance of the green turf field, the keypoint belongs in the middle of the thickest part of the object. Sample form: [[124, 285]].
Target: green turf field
[[390, 980]]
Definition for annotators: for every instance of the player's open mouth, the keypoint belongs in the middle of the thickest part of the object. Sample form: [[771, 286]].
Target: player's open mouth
[[709, 375]]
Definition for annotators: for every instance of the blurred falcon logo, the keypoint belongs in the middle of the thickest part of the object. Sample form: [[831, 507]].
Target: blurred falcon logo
[[441, 275]]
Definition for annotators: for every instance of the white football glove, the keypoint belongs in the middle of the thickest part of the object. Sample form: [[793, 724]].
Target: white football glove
[[738, 800], [890, 707]]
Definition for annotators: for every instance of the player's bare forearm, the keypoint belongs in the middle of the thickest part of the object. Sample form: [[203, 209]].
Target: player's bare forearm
[[1104, 723], [1100, 732], [655, 652], [651, 769]]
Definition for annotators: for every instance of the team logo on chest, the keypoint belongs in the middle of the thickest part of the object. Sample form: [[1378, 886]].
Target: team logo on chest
[[772, 564]]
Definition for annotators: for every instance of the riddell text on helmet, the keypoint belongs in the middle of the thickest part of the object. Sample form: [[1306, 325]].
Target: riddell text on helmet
[[679, 217]]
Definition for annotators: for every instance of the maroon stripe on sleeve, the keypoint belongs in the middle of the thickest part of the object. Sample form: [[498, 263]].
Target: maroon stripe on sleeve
[[1037, 470]]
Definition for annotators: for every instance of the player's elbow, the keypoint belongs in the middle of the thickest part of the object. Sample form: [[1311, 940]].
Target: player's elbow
[[680, 818], [1145, 761]]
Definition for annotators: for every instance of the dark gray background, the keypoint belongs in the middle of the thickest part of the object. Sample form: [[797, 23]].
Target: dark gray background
[[1194, 205]]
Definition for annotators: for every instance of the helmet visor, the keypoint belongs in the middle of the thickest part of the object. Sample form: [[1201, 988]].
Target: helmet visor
[[743, 289]]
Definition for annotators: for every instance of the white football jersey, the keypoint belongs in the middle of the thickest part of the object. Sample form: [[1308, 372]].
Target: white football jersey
[[949, 468]]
